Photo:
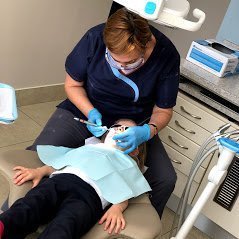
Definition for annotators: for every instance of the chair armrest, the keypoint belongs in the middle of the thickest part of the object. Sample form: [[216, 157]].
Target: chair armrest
[[10, 159], [142, 221]]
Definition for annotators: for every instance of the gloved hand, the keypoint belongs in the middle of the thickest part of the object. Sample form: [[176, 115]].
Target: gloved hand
[[95, 117], [133, 137]]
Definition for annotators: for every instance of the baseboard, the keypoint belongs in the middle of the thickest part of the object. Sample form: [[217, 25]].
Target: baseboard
[[35, 95]]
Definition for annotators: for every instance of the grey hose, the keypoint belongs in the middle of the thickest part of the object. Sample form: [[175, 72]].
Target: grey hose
[[189, 184], [195, 162], [199, 158]]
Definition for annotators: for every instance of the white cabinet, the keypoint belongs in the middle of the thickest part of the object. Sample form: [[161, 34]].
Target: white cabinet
[[192, 123]]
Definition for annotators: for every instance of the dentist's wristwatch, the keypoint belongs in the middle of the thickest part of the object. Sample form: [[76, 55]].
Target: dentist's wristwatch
[[154, 127]]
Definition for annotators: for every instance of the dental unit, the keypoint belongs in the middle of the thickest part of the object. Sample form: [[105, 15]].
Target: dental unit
[[228, 148], [171, 13]]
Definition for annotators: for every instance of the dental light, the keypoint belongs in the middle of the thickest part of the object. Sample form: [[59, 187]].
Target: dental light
[[166, 12]]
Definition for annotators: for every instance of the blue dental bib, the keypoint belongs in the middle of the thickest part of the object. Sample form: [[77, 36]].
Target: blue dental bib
[[116, 174]]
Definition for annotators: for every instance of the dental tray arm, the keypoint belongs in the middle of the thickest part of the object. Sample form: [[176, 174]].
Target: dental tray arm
[[166, 12]]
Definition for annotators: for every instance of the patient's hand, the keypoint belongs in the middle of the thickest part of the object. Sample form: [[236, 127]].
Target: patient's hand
[[28, 174], [114, 219]]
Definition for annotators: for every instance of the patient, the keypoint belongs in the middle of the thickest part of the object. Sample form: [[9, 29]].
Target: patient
[[82, 182]]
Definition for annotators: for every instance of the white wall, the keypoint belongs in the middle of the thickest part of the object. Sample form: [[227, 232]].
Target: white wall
[[229, 29], [37, 35]]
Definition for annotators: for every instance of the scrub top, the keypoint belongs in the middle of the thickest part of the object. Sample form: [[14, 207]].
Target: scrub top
[[134, 97]]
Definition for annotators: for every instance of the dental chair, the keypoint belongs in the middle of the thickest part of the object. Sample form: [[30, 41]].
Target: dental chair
[[142, 220]]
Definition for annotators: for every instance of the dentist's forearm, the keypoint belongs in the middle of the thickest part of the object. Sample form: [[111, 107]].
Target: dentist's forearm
[[76, 93], [160, 117]]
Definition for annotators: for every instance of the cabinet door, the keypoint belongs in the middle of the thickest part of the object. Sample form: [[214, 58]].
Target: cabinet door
[[179, 142], [198, 115], [180, 185], [188, 128], [182, 163]]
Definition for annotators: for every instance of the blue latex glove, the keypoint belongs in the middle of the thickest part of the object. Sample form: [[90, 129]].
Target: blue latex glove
[[133, 137], [95, 117]]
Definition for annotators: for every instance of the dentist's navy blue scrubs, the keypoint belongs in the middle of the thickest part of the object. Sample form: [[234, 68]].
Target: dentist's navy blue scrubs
[[117, 97]]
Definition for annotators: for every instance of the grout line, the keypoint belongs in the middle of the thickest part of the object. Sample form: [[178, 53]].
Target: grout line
[[16, 144], [30, 118], [43, 102], [169, 231]]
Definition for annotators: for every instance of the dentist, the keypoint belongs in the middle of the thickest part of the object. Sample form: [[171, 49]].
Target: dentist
[[124, 68]]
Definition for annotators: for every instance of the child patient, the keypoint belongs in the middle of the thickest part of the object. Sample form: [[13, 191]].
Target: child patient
[[72, 189]]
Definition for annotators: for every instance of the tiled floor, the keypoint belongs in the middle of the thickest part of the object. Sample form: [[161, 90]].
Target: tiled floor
[[19, 135]]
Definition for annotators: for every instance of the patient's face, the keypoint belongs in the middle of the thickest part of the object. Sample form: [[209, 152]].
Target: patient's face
[[118, 128]]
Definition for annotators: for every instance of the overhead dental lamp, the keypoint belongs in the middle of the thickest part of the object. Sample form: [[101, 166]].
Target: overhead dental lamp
[[166, 12]]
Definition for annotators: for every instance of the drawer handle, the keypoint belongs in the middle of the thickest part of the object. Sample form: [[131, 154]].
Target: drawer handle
[[176, 161], [185, 111], [179, 145], [187, 130]]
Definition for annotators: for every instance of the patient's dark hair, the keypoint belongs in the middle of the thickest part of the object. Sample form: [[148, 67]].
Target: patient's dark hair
[[140, 159]]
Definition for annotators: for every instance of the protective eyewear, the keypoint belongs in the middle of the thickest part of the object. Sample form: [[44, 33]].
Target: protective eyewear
[[118, 65], [119, 127]]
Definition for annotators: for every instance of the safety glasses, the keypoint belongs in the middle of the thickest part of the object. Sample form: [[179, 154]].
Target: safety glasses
[[119, 127], [118, 65]]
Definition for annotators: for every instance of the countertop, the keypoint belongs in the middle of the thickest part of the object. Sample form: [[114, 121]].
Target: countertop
[[226, 88]]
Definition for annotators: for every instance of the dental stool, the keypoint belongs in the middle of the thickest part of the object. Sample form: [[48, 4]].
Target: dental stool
[[142, 220]]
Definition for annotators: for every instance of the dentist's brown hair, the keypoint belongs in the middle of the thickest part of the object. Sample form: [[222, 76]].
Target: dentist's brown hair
[[126, 31]]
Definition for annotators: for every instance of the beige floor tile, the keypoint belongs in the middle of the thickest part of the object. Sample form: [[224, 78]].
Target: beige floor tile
[[24, 129], [193, 234], [16, 146], [167, 220], [197, 234], [40, 112]]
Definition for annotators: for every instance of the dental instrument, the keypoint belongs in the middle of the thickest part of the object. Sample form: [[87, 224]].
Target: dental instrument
[[85, 122], [89, 123], [114, 125], [171, 13]]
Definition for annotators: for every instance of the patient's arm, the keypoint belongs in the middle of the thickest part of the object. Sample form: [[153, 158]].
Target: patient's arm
[[27, 174], [113, 217]]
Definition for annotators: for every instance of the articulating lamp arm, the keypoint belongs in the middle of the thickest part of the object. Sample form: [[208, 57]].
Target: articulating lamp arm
[[180, 22], [171, 12]]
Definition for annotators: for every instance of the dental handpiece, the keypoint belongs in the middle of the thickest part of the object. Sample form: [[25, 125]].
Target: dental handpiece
[[89, 123], [85, 121]]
